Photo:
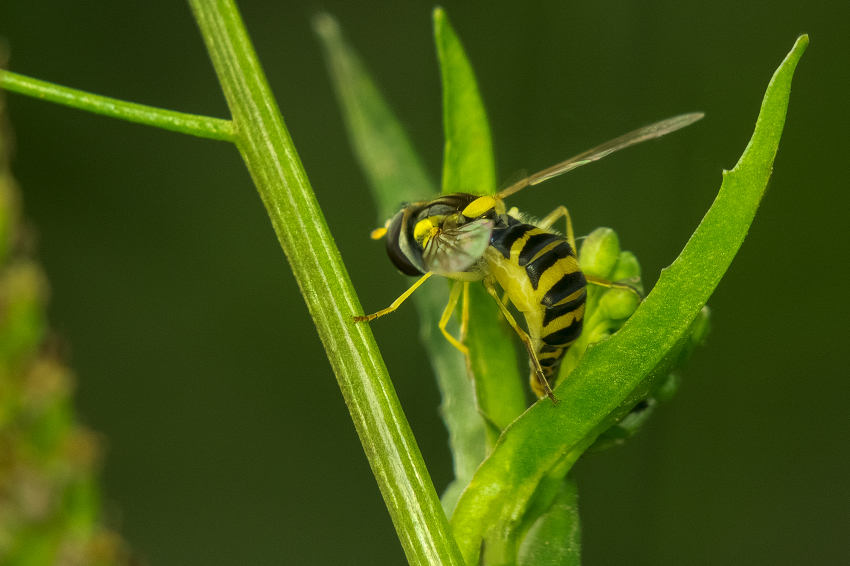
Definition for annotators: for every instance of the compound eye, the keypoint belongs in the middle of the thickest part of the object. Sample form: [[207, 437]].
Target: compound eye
[[398, 246]]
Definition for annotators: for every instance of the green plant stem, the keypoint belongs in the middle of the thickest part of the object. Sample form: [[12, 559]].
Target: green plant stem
[[276, 169], [396, 174], [201, 126]]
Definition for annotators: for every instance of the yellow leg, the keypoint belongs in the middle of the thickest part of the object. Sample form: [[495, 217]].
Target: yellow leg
[[612, 284], [396, 303], [553, 216], [526, 339], [447, 314], [464, 317]]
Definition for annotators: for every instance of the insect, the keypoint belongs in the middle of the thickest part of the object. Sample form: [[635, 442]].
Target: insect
[[475, 238]]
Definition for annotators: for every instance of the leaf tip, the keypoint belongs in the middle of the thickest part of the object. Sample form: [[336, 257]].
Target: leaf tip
[[440, 24], [797, 51], [325, 25]]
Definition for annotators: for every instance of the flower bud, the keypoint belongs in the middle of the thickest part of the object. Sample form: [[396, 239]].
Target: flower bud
[[600, 252], [627, 267], [628, 270], [619, 304]]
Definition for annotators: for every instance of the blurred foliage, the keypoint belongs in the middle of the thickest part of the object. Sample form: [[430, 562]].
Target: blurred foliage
[[50, 504], [631, 420]]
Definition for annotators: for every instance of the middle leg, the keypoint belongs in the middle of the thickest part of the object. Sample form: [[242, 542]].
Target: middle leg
[[526, 340]]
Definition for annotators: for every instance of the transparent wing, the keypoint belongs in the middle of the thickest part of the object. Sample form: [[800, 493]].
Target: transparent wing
[[457, 249], [652, 131]]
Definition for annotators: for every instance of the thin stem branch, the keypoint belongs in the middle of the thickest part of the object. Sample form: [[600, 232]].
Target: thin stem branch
[[277, 171], [201, 126]]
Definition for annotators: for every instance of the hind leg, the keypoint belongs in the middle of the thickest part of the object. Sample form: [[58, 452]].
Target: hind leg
[[526, 340], [612, 284], [553, 216]]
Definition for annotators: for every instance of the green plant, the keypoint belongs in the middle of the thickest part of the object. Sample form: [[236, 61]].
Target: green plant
[[603, 387]]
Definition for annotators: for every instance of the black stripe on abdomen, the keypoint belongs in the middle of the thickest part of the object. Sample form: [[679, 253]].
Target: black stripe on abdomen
[[533, 246], [541, 265], [566, 286], [551, 313], [503, 239], [566, 335]]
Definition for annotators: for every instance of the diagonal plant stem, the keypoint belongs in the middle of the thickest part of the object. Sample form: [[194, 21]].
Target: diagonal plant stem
[[201, 126], [396, 174], [271, 158]]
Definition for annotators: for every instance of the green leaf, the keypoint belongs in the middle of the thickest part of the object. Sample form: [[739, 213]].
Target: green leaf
[[494, 362], [395, 174], [468, 167], [618, 372], [384, 150], [554, 539]]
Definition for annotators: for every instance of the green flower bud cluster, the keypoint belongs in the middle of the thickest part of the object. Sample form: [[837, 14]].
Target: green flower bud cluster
[[607, 310]]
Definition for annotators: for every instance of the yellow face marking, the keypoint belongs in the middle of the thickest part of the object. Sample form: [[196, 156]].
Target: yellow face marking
[[422, 229], [479, 206]]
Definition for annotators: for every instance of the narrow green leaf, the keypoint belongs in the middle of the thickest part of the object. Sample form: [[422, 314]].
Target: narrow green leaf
[[468, 159], [384, 150], [616, 373], [468, 166], [273, 162], [494, 363], [395, 174], [201, 126]]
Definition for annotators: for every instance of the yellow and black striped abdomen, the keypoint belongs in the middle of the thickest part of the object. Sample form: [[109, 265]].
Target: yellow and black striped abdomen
[[540, 273]]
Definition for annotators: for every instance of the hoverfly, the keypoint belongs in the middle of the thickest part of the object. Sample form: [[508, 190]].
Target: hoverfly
[[475, 238]]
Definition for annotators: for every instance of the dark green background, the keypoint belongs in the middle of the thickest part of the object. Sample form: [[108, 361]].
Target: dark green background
[[228, 441]]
